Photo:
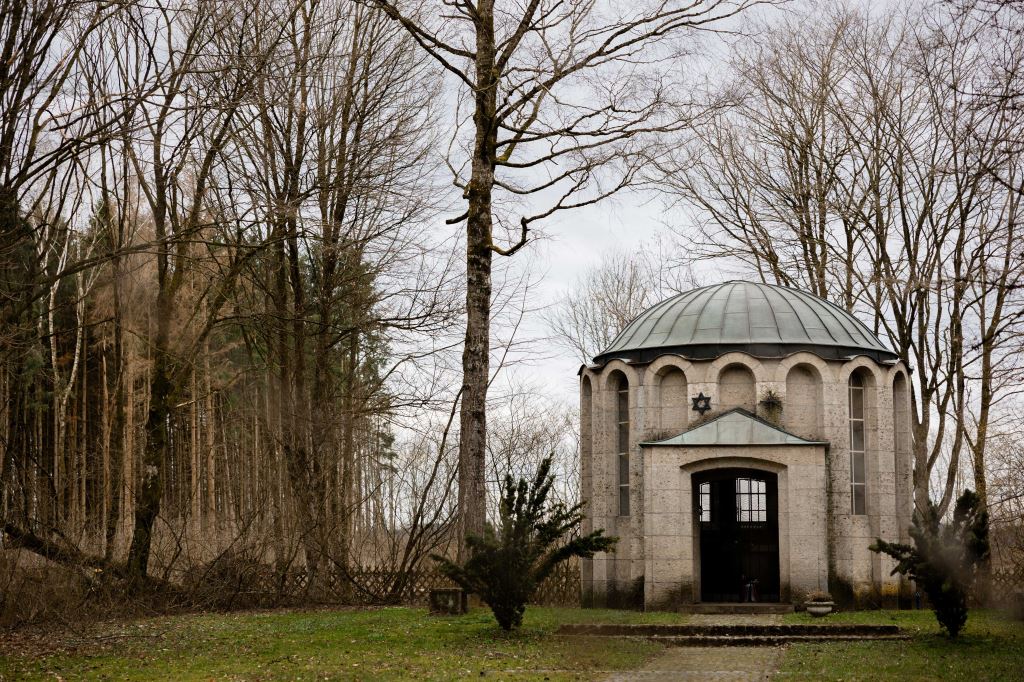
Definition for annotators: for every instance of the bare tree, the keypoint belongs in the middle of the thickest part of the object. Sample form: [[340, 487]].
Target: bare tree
[[853, 164], [224, 308], [49, 122], [527, 426], [335, 159], [599, 305], [195, 65], [1006, 496], [559, 98]]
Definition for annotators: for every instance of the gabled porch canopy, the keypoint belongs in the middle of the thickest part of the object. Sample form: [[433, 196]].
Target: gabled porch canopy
[[735, 427]]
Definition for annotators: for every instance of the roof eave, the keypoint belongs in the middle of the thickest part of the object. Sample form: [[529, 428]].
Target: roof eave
[[711, 351], [800, 444]]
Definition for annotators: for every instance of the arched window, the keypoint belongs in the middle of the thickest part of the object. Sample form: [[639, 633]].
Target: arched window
[[858, 444], [621, 386], [586, 425], [903, 460]]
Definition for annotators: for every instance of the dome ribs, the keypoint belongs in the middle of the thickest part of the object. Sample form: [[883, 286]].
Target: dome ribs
[[763, 320]]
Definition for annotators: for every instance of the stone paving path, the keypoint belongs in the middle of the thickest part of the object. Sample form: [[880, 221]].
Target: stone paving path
[[736, 664]]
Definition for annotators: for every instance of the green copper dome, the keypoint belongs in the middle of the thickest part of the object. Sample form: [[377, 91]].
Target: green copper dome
[[760, 319]]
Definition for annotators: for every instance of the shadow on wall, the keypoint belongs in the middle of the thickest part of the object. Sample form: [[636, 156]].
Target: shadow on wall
[[867, 597], [674, 600]]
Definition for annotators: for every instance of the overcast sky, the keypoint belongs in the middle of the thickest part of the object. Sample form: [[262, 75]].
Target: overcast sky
[[573, 243]]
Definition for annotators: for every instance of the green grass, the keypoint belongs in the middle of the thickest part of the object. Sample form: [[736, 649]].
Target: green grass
[[991, 647], [407, 643], [392, 643]]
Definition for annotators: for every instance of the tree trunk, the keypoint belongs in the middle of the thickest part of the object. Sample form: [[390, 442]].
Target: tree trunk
[[349, 496], [209, 507], [150, 488], [115, 437], [476, 351], [147, 500]]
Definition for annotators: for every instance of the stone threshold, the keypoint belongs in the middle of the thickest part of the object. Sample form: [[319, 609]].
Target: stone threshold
[[752, 608], [737, 635]]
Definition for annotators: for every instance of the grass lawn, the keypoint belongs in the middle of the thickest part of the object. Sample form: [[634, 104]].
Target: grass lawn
[[407, 643], [390, 643], [990, 647]]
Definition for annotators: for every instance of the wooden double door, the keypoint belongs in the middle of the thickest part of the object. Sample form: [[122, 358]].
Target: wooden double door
[[738, 514]]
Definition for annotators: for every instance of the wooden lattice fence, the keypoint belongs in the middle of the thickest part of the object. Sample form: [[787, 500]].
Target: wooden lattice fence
[[561, 588], [1006, 582], [258, 585]]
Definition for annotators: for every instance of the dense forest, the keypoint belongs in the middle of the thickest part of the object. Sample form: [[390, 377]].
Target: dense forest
[[218, 279]]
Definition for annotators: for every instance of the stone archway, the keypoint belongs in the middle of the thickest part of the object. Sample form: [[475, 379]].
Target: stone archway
[[737, 511]]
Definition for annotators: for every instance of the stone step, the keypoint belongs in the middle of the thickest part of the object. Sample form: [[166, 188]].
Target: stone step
[[689, 630], [766, 640], [737, 608], [737, 635]]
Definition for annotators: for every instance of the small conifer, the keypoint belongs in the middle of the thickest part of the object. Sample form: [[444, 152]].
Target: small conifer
[[944, 558], [506, 565]]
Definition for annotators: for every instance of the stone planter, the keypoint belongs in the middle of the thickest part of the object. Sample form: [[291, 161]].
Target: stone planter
[[819, 608], [450, 601]]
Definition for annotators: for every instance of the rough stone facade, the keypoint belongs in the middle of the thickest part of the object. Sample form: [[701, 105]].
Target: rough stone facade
[[822, 544]]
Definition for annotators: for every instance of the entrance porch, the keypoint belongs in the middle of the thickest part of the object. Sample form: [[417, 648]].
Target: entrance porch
[[734, 512]]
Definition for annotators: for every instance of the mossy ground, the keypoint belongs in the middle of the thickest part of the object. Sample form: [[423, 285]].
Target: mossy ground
[[377, 644]]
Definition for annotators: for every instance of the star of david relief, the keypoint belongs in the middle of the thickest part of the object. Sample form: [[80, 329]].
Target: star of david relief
[[702, 403]]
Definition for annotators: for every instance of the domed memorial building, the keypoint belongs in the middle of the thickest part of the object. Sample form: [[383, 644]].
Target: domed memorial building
[[745, 442]]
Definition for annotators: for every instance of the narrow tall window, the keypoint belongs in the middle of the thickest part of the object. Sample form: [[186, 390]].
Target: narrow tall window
[[858, 444], [586, 425], [622, 417], [705, 502]]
